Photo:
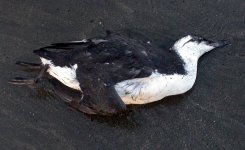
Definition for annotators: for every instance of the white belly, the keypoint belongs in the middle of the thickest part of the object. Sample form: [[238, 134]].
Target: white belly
[[153, 88]]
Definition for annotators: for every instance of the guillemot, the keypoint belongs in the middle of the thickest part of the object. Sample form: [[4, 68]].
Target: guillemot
[[112, 72]]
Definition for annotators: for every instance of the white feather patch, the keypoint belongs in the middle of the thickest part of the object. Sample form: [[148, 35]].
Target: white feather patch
[[66, 75]]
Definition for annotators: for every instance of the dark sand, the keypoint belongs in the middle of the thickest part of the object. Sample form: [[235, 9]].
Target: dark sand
[[210, 116]]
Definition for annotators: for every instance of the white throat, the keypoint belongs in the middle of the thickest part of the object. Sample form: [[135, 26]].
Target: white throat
[[190, 61]]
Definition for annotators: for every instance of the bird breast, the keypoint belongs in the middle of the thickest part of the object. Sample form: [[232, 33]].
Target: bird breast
[[154, 87]]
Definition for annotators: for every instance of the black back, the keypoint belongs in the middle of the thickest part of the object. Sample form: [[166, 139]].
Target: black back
[[120, 57]]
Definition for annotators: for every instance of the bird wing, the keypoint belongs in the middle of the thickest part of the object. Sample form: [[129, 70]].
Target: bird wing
[[107, 64], [99, 92], [122, 58], [71, 97]]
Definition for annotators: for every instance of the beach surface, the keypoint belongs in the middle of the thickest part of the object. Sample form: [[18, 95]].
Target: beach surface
[[210, 116]]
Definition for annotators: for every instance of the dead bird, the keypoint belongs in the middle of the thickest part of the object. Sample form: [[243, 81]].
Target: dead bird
[[103, 75]]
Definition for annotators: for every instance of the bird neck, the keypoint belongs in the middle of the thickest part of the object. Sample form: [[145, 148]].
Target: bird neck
[[190, 62]]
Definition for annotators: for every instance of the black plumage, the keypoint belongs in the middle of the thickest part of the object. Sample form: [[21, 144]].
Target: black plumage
[[121, 58], [104, 62]]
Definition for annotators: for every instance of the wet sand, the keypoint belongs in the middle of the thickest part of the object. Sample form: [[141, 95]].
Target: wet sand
[[210, 116]]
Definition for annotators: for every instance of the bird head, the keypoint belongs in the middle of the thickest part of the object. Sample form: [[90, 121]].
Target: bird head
[[196, 46]]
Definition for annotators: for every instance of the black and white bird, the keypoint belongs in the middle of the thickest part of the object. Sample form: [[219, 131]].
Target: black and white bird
[[112, 72]]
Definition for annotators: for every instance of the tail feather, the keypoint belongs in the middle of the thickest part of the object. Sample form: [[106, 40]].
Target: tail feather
[[84, 41], [68, 45]]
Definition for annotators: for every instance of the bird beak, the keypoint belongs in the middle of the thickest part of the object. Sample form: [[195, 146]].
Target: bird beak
[[219, 44]]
